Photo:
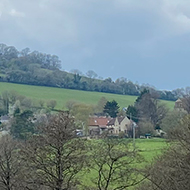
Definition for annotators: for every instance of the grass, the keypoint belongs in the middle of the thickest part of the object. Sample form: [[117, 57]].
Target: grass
[[148, 149], [63, 95], [2, 75]]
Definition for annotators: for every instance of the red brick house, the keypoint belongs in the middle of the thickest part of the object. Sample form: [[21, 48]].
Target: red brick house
[[97, 125]]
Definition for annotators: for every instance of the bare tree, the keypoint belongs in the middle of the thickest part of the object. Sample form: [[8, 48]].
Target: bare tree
[[100, 105], [149, 107], [91, 74], [171, 170], [13, 96], [41, 103], [5, 100], [70, 104], [186, 103], [81, 113], [76, 71], [171, 120], [10, 164], [55, 155], [146, 127], [115, 164], [51, 104]]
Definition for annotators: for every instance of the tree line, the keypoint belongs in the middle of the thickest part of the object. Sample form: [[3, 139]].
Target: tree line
[[35, 68], [148, 112]]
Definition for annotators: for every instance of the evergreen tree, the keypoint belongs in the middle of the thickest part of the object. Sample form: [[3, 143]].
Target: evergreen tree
[[111, 108], [132, 113], [22, 125]]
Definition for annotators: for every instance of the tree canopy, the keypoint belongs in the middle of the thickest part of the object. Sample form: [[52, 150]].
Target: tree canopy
[[111, 108]]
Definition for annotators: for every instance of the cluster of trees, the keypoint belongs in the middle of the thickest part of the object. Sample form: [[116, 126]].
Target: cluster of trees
[[55, 159], [37, 68], [11, 101], [47, 154], [23, 113], [170, 170], [148, 112]]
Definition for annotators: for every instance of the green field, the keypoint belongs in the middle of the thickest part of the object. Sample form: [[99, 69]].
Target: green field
[[148, 149], [63, 95]]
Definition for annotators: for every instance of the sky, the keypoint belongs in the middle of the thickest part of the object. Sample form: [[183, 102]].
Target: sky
[[145, 41]]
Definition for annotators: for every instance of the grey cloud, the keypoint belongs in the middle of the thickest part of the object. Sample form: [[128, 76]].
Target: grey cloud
[[102, 34], [15, 13]]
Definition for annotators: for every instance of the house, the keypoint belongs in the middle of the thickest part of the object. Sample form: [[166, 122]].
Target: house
[[4, 119], [97, 125], [119, 124], [5, 123], [179, 105]]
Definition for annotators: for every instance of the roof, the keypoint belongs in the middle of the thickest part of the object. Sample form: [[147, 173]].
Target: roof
[[112, 121], [120, 119], [98, 121], [178, 100], [5, 117]]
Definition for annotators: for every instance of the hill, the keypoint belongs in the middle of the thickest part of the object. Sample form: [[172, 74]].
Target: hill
[[63, 95], [36, 68]]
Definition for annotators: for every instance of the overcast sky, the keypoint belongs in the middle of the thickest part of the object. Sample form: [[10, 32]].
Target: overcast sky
[[146, 41]]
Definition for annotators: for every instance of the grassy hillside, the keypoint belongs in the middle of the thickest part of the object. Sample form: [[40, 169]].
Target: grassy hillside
[[63, 95]]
